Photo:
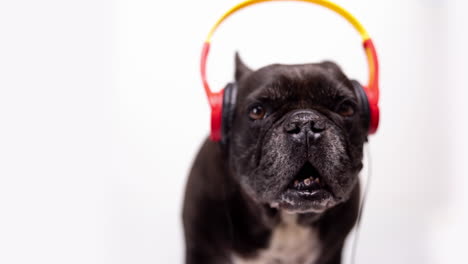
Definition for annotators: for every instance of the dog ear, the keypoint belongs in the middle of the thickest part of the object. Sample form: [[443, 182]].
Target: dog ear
[[241, 69], [333, 69]]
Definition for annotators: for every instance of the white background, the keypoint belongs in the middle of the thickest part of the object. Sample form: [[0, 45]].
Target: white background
[[102, 112]]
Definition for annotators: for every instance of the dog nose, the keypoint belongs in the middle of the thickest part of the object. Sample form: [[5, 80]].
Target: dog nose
[[304, 123]]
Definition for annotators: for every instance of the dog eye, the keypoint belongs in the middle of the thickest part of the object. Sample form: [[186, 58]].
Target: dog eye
[[257, 112], [346, 109]]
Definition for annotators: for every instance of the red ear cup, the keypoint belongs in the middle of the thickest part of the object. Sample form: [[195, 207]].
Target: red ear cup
[[368, 106], [223, 105], [216, 103], [372, 89], [374, 111]]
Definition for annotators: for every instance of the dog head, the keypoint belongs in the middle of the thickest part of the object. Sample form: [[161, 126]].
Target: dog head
[[297, 135]]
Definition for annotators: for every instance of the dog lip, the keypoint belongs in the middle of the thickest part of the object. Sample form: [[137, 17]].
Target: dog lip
[[310, 194], [321, 194], [306, 201]]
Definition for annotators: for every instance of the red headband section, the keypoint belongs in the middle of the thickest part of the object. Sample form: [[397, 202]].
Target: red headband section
[[372, 88], [373, 85], [214, 98]]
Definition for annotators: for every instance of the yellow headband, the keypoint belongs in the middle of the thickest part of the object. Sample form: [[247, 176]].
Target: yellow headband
[[332, 6]]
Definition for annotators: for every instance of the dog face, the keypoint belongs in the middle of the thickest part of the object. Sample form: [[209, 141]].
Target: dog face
[[297, 135]]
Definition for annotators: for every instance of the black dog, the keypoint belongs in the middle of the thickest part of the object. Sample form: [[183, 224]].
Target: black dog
[[284, 189]]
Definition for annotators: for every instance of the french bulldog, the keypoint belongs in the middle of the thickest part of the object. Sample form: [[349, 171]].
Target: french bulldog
[[284, 188]]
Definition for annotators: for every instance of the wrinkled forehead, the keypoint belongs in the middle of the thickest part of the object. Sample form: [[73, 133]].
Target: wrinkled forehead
[[295, 83]]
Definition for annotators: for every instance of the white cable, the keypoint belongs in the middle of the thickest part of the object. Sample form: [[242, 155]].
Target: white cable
[[362, 203]]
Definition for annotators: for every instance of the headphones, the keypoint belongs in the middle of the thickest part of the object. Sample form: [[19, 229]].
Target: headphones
[[223, 102]]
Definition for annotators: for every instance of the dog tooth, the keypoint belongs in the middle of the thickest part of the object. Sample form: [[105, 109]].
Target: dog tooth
[[296, 182], [307, 181], [274, 205], [317, 180]]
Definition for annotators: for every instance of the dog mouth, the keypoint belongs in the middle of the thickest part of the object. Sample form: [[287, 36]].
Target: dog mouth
[[308, 191], [307, 179], [309, 184]]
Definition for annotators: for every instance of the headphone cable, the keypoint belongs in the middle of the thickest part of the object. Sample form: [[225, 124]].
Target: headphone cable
[[357, 228]]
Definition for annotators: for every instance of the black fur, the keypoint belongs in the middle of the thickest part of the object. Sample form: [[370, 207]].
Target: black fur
[[234, 194]]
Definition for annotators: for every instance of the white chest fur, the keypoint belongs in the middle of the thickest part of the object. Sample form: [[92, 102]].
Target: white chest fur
[[290, 243]]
